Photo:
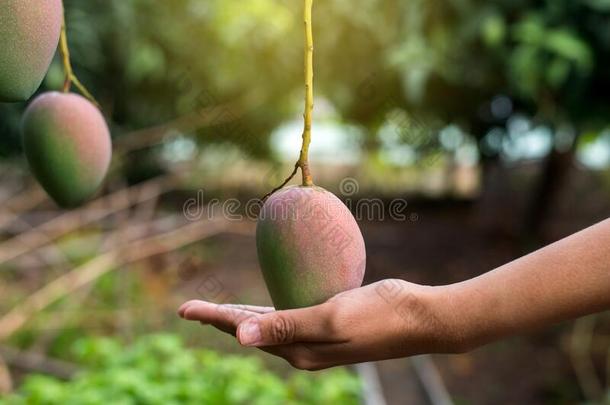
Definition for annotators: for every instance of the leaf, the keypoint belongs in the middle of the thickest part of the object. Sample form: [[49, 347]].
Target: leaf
[[568, 45], [158, 369], [493, 30], [558, 72], [530, 31], [598, 5]]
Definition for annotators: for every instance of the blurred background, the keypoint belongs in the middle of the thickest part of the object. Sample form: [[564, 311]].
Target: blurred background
[[486, 120]]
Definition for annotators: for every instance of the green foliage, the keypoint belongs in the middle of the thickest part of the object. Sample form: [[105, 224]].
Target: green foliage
[[545, 57], [149, 62], [599, 5], [159, 370]]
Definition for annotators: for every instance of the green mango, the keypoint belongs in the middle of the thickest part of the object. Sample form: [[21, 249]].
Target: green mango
[[309, 247], [68, 147], [29, 35]]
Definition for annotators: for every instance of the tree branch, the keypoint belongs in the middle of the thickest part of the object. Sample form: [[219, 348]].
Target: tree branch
[[103, 264]]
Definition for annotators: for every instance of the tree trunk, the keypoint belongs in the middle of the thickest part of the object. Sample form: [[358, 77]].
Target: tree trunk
[[546, 193]]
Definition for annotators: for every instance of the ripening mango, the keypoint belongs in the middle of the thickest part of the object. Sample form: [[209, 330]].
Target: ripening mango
[[309, 247], [29, 35], [67, 145]]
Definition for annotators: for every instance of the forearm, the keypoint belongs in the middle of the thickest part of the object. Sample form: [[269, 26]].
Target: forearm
[[394, 318], [565, 280]]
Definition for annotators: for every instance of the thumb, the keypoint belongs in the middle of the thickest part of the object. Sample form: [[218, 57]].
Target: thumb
[[311, 324]]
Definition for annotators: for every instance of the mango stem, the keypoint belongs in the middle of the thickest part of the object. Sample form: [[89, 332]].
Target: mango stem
[[303, 162], [304, 158], [70, 77]]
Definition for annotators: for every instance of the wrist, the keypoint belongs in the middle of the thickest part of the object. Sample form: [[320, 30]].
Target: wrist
[[474, 314], [428, 318], [456, 322]]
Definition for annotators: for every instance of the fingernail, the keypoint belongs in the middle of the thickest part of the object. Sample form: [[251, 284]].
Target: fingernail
[[185, 314], [250, 333]]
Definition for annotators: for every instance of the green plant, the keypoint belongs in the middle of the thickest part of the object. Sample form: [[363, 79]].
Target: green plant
[[158, 369]]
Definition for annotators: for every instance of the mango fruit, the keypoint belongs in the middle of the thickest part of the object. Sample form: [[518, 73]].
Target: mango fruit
[[309, 247], [67, 145], [29, 35]]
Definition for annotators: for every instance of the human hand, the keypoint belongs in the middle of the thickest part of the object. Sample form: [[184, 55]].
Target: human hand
[[388, 319], [393, 318]]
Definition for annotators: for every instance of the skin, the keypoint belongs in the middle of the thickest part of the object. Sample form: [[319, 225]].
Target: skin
[[309, 247], [394, 318], [68, 146], [29, 34]]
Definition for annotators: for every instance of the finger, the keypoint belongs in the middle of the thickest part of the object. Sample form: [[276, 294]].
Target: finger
[[251, 308], [232, 330], [187, 304], [313, 324], [228, 330], [223, 317]]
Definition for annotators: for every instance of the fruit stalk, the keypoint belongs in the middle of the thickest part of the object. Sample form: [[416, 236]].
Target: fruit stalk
[[70, 77], [303, 162], [304, 157], [65, 57]]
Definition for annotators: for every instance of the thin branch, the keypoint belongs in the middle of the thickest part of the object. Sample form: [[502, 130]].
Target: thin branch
[[133, 232], [607, 350], [6, 381], [281, 186], [70, 77], [19, 203], [307, 116], [580, 354], [35, 362], [42, 256], [101, 265], [204, 117], [372, 388], [303, 162], [64, 52], [431, 380], [72, 220], [49, 334]]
